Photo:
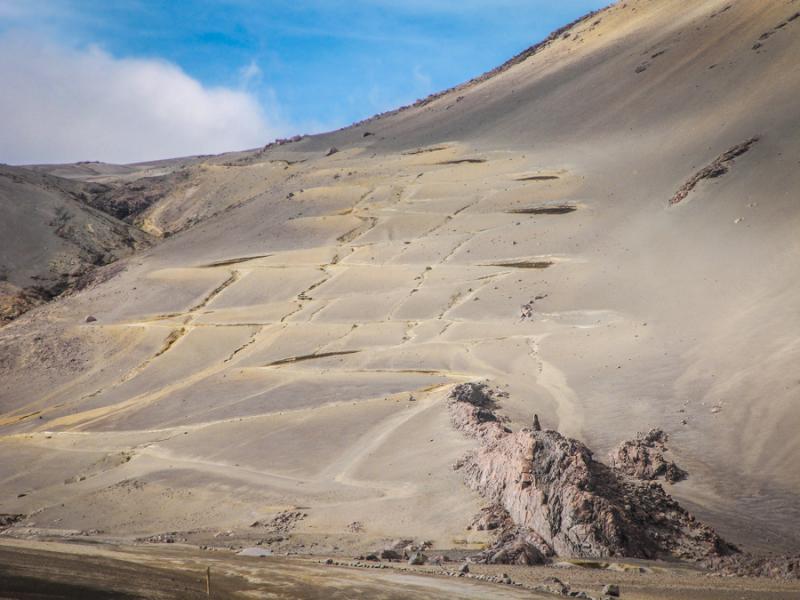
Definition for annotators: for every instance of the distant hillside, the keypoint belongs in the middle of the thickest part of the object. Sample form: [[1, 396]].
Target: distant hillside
[[52, 239]]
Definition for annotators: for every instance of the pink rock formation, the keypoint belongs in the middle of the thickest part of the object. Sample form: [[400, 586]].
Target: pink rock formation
[[563, 501]]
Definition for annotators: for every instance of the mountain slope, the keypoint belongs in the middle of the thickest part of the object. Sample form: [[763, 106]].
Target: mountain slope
[[52, 239], [297, 348]]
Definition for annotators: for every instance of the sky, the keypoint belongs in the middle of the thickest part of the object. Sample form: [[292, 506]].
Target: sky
[[133, 80]]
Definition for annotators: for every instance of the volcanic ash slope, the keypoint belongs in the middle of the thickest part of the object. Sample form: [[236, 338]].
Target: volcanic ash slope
[[296, 346]]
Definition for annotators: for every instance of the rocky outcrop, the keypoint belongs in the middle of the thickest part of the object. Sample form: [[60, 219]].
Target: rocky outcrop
[[564, 502], [512, 544], [643, 458], [8, 520], [718, 167]]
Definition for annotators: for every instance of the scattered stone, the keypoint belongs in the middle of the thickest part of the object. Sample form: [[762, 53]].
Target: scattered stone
[[355, 527], [611, 589], [331, 151], [282, 523], [162, 538], [747, 565], [256, 552], [554, 585], [417, 558], [90, 319], [464, 569], [390, 554]]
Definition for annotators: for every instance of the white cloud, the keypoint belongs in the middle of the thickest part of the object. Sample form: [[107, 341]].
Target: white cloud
[[62, 105]]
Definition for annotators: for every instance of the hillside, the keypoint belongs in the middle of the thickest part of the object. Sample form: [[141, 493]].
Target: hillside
[[605, 231], [52, 239]]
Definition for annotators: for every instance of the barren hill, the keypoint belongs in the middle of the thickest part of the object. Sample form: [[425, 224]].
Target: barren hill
[[52, 238], [606, 230]]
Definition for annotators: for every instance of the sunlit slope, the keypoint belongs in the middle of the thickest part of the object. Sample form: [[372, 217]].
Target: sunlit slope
[[296, 348]]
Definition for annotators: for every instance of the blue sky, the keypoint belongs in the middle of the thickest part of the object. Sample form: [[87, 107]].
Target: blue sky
[[288, 66]]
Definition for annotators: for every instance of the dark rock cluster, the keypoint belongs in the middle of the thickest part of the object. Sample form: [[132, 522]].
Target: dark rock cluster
[[643, 458]]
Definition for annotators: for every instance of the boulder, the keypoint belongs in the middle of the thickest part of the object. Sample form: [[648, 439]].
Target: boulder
[[643, 458]]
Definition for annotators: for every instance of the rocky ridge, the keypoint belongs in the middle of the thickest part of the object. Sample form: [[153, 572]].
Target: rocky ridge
[[560, 501]]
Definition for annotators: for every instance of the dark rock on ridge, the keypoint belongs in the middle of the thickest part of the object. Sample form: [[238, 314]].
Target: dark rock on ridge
[[643, 458]]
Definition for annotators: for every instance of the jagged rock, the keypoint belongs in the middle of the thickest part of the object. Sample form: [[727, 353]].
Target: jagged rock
[[526, 311], [512, 545], [477, 394], [7, 520], [417, 558], [552, 487], [516, 551], [90, 319], [643, 458], [611, 589], [389, 554], [536, 425], [464, 569], [331, 151], [491, 518]]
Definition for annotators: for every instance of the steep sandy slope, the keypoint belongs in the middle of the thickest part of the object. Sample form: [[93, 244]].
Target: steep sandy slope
[[296, 349]]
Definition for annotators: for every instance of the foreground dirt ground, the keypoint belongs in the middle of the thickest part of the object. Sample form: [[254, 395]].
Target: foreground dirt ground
[[53, 570]]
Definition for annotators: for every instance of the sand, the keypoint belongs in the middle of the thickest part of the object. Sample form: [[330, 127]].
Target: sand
[[294, 347]]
